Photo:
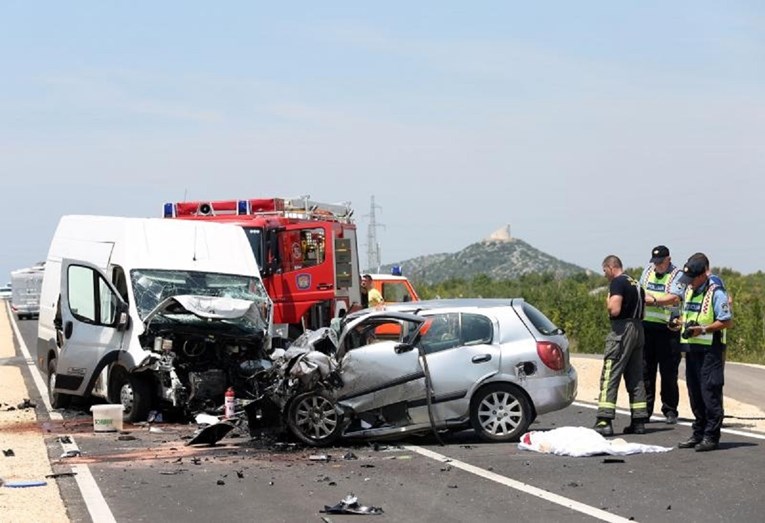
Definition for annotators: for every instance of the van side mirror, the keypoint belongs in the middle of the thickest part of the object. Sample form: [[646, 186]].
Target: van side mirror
[[122, 322]]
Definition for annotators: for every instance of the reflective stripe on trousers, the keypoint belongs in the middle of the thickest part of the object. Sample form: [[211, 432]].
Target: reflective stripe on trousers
[[623, 356]]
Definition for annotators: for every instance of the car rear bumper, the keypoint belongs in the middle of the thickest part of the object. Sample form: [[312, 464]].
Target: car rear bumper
[[554, 392]]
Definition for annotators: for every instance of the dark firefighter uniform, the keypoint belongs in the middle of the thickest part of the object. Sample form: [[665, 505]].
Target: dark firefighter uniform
[[703, 306], [623, 355]]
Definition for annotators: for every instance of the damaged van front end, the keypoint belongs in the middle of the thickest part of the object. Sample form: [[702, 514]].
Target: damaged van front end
[[193, 347], [198, 346]]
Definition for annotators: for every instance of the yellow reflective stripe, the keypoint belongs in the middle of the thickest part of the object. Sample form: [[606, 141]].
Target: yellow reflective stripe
[[604, 384], [639, 405], [606, 405], [701, 339], [661, 314]]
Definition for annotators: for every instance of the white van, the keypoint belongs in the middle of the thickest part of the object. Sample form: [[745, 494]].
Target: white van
[[150, 312]]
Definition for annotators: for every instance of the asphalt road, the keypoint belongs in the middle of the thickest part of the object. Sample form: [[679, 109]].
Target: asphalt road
[[156, 477]]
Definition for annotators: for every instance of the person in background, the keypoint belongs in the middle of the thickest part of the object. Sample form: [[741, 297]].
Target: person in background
[[623, 354], [706, 316], [373, 296], [660, 280]]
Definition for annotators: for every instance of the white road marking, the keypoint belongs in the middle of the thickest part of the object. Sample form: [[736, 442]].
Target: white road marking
[[543, 494], [517, 485], [735, 432], [91, 494]]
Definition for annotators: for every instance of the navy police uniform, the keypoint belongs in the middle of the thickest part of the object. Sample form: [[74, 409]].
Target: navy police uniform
[[703, 306]]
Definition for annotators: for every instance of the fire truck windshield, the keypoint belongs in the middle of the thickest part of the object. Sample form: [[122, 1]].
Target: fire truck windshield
[[255, 236]]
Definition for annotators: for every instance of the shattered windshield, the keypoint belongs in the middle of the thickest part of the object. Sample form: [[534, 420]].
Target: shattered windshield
[[152, 286]]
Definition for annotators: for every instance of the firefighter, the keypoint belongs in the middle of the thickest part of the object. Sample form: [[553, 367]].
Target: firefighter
[[663, 292], [623, 355], [706, 316]]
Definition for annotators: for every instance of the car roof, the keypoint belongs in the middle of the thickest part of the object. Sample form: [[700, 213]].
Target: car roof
[[456, 303]]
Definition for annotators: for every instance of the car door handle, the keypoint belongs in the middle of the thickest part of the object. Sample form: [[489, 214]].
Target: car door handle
[[68, 326], [481, 358]]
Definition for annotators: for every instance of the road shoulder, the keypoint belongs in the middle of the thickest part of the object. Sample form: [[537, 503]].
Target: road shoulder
[[21, 431]]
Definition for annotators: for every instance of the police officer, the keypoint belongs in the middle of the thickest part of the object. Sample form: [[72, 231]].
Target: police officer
[[706, 316], [623, 354], [663, 292]]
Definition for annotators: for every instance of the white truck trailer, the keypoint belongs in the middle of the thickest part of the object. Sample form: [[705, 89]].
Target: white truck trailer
[[25, 291]]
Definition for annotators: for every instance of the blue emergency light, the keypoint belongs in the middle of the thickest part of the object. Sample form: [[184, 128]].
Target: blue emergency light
[[169, 211], [396, 270], [242, 207]]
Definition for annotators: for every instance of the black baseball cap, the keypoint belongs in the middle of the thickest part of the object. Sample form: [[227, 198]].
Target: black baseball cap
[[693, 268], [659, 253]]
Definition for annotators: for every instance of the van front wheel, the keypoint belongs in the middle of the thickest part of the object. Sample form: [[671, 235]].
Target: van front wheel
[[133, 393]]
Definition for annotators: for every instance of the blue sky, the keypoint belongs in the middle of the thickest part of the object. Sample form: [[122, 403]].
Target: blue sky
[[591, 127]]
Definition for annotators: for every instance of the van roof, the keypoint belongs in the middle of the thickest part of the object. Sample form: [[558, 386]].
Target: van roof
[[154, 243]]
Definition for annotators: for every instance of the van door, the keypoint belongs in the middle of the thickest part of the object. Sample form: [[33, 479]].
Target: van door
[[93, 320]]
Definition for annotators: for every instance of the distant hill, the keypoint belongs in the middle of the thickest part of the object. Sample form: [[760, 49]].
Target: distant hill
[[499, 256]]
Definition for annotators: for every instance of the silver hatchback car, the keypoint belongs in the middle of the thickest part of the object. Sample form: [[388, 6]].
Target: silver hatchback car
[[494, 365]]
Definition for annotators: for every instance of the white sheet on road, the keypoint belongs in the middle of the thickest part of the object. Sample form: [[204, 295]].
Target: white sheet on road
[[580, 442]]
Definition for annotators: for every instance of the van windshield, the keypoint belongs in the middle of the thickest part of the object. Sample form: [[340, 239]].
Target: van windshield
[[151, 286]]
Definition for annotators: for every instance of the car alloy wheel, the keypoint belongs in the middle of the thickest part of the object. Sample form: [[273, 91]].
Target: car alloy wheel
[[500, 413], [314, 418]]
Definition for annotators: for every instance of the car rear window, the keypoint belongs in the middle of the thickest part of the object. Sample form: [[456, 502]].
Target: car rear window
[[541, 322]]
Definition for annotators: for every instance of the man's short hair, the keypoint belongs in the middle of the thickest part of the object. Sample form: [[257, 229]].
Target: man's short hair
[[612, 261], [366, 277]]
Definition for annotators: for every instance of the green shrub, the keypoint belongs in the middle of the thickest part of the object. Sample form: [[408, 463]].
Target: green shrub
[[577, 305]]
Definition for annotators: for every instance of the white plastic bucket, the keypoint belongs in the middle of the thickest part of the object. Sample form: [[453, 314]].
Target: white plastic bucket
[[107, 418]]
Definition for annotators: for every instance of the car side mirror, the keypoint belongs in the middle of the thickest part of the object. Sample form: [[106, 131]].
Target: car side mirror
[[403, 347]]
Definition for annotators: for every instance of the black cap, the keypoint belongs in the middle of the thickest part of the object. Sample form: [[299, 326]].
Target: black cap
[[693, 267], [659, 253], [366, 277]]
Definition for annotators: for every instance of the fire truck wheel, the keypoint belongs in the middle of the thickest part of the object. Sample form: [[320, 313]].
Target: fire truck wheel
[[315, 419], [133, 392], [58, 400]]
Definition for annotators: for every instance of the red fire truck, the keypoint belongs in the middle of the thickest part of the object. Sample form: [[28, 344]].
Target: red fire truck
[[307, 252]]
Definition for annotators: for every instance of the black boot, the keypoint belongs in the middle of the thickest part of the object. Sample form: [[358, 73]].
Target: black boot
[[705, 445], [636, 427], [689, 443], [603, 427]]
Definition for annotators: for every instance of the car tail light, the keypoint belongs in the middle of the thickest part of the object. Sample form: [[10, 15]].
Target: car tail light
[[551, 355]]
